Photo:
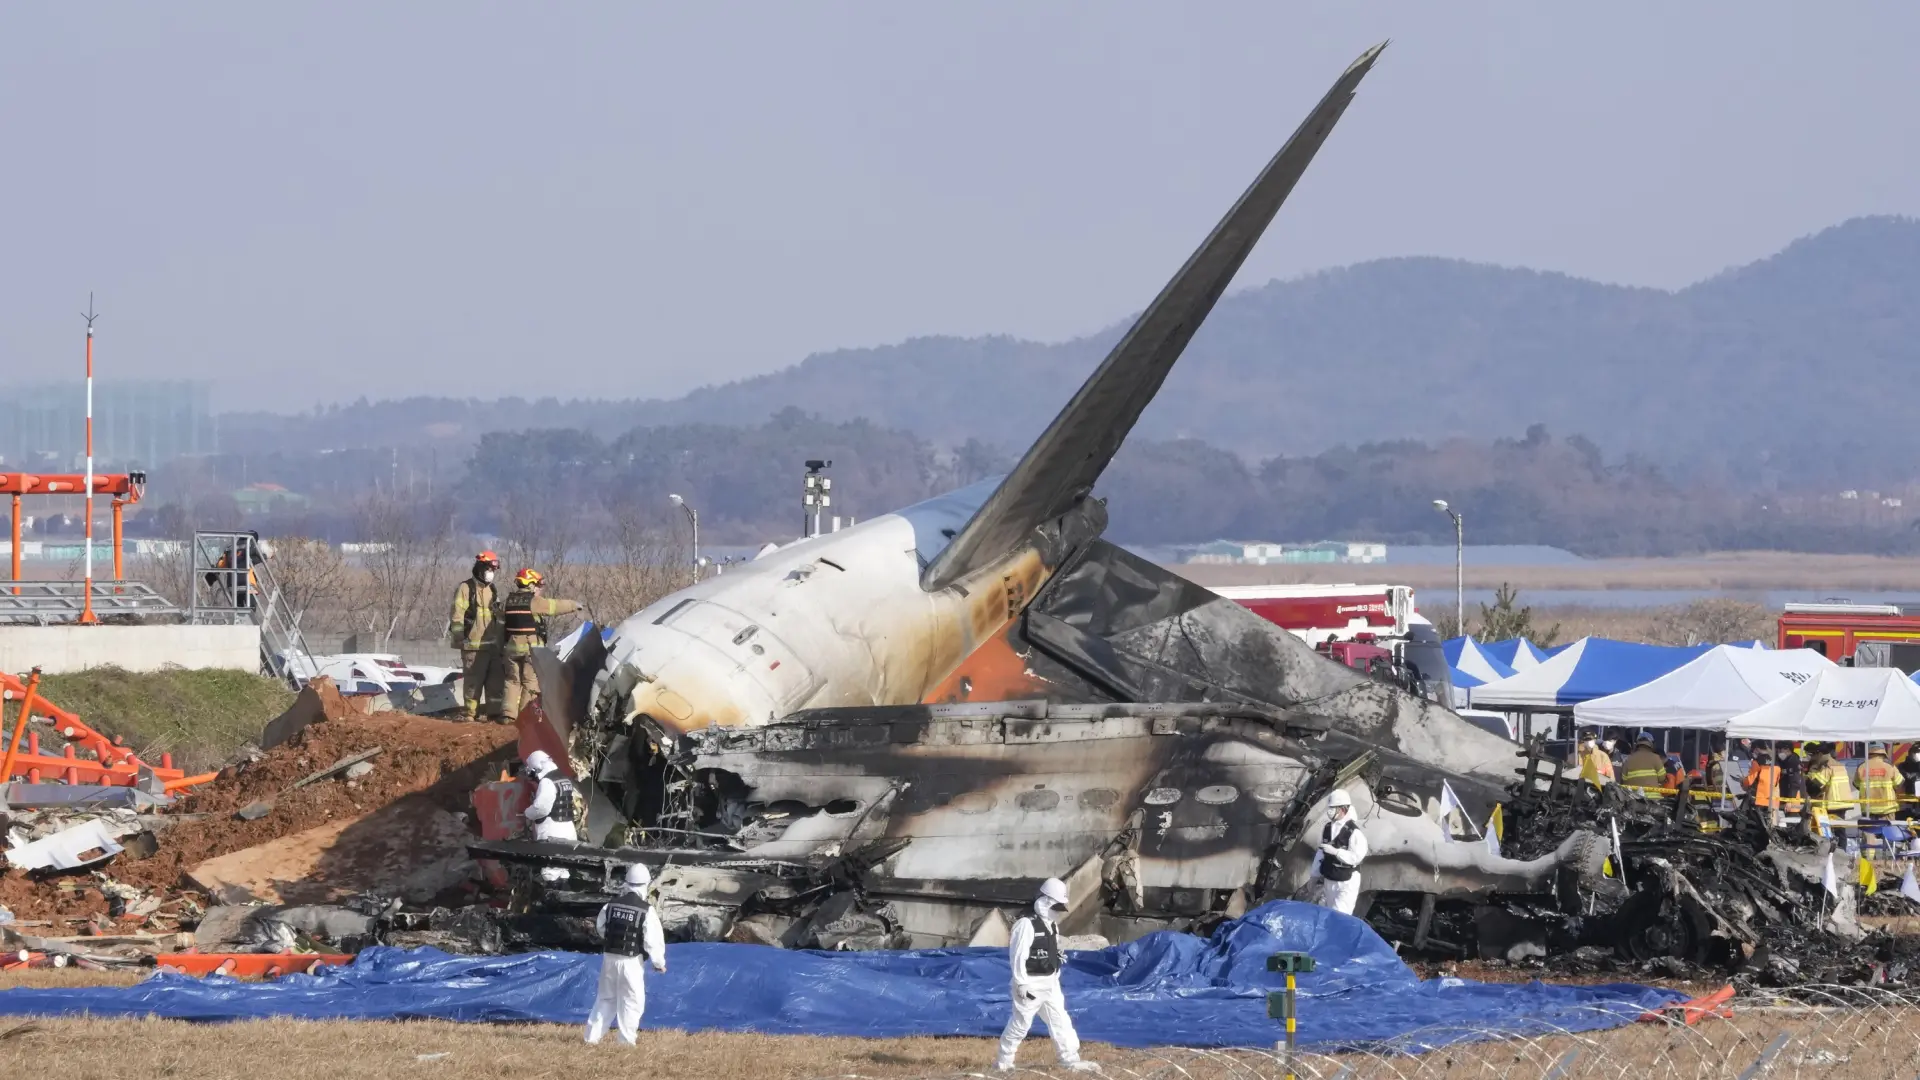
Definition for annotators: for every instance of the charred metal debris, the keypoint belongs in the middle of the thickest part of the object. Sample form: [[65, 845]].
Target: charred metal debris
[[1666, 898], [1650, 891]]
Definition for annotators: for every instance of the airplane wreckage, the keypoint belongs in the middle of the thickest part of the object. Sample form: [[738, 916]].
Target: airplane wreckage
[[888, 735]]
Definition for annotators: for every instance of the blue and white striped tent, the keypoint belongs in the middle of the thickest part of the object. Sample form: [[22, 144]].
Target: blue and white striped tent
[[1471, 665], [1517, 653], [1587, 669]]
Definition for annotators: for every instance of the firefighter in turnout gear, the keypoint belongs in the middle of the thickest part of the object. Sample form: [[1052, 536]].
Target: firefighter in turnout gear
[[1828, 784], [1879, 783], [1342, 848], [523, 624], [1645, 767], [631, 930], [553, 809], [469, 630], [1035, 955]]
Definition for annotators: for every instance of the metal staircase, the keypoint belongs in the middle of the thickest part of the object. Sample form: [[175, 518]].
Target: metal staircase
[[231, 583]]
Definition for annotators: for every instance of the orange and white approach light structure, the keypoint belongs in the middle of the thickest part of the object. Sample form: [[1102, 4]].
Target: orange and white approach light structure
[[126, 489], [86, 606]]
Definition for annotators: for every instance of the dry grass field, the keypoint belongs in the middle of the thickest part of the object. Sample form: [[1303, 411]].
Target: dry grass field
[[1728, 572], [1858, 1037]]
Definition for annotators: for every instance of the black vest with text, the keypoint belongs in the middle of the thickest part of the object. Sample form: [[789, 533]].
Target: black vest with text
[[627, 924], [1044, 957], [1331, 868], [516, 616], [562, 800]]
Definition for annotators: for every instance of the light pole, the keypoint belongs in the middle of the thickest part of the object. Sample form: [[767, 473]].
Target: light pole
[[1459, 567], [817, 497], [693, 518]]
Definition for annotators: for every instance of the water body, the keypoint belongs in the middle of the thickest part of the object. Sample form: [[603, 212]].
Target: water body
[[1636, 598], [1482, 555]]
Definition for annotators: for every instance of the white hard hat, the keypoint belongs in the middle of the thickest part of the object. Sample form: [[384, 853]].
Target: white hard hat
[[1339, 798], [638, 876], [538, 763], [1055, 890]]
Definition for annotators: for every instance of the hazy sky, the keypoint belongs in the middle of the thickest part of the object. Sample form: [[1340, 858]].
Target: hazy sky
[[634, 199]]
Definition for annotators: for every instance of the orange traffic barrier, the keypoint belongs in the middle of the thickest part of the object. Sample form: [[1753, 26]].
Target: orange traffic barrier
[[1694, 1011], [249, 965]]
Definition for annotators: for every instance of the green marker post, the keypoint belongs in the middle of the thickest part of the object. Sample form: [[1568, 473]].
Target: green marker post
[[1280, 1006]]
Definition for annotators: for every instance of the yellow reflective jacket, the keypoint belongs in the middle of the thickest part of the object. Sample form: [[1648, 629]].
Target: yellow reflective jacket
[[1879, 787]]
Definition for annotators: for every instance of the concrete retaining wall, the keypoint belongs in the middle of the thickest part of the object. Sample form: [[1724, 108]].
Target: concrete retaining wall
[[57, 649]]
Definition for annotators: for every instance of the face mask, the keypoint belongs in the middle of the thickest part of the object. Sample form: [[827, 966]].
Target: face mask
[[487, 577]]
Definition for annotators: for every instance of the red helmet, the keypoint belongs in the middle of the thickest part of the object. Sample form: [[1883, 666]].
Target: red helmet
[[528, 578], [489, 558]]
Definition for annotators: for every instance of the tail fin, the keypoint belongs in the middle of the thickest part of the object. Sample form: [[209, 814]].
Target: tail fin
[[1061, 467]]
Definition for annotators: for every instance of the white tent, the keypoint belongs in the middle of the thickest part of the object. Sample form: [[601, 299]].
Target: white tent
[[1838, 705], [1707, 691]]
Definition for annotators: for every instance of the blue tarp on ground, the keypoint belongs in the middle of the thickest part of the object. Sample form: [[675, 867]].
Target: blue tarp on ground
[[1167, 989]]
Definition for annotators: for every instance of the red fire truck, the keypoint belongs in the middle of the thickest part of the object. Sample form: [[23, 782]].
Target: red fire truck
[[1839, 630], [1373, 628], [1321, 613]]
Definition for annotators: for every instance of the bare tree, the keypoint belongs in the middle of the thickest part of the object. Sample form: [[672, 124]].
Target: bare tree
[[410, 548], [166, 568], [311, 574], [634, 562], [540, 530], [1714, 620]]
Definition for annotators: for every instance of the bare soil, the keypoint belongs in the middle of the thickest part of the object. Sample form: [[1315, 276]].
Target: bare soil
[[438, 760]]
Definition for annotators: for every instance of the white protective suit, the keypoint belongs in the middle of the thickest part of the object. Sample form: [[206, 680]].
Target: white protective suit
[[1036, 994], [1340, 895], [622, 996], [538, 814]]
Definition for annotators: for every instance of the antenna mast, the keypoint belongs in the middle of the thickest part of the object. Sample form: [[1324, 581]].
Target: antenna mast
[[86, 606]]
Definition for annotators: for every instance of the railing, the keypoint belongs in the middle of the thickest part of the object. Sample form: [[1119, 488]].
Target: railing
[[232, 582], [46, 603]]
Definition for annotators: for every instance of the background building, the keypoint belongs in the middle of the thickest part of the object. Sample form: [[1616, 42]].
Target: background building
[[1263, 553], [136, 424]]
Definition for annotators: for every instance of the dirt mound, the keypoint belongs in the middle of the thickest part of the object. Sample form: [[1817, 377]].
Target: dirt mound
[[433, 760], [440, 759], [68, 898]]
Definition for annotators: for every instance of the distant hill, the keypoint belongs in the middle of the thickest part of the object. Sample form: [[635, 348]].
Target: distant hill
[[1797, 370], [1799, 367]]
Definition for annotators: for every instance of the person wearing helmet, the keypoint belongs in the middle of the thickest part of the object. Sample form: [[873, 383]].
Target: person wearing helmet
[[1336, 865], [630, 931], [232, 573], [523, 624], [1035, 956], [1879, 783], [1676, 772], [1829, 788], [1645, 767], [553, 809], [469, 628], [1596, 767]]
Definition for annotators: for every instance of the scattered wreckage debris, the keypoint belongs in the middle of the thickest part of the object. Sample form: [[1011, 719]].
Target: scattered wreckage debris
[[293, 830], [1655, 893]]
